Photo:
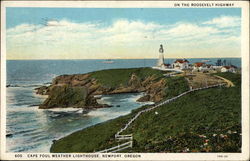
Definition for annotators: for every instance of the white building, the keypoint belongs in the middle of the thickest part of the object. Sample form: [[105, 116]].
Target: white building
[[168, 67], [198, 66], [180, 64], [231, 68], [160, 62]]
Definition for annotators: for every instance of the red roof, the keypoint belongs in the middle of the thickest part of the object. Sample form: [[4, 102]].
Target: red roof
[[199, 64], [228, 67], [167, 65], [181, 61]]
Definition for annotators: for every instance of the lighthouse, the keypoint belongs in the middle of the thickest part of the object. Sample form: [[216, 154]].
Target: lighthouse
[[160, 62]]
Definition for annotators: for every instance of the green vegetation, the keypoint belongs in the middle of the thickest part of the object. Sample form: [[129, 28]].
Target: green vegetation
[[91, 139], [76, 90], [207, 120], [181, 124], [175, 86], [66, 96], [203, 121], [115, 77], [235, 78]]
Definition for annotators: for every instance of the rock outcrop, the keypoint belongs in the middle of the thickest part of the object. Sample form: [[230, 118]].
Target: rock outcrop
[[78, 90]]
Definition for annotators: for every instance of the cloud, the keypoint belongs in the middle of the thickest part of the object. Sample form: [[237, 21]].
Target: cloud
[[224, 21], [122, 38], [121, 26], [188, 31]]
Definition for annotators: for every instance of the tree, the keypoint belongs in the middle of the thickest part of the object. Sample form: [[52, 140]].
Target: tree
[[218, 63], [224, 62]]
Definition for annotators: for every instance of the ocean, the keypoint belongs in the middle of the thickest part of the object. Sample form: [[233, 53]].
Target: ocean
[[31, 129]]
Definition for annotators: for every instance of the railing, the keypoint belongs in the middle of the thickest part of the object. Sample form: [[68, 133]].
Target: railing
[[124, 137], [117, 148], [162, 103], [130, 137]]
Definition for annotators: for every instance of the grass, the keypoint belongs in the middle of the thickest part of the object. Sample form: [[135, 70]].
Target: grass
[[179, 124], [94, 138], [182, 124], [175, 86], [65, 96], [74, 96], [204, 121], [235, 78], [115, 77]]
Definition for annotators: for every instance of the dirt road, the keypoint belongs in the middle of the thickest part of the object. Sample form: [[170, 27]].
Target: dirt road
[[229, 83]]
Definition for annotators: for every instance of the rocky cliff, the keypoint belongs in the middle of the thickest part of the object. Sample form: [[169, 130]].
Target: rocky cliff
[[78, 90]]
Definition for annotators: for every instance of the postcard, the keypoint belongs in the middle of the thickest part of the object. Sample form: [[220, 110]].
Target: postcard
[[124, 80]]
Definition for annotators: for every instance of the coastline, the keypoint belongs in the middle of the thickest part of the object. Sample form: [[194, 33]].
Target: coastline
[[172, 86], [109, 125], [68, 90]]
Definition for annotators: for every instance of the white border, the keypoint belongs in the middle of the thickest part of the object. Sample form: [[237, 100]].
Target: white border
[[3, 82], [134, 4]]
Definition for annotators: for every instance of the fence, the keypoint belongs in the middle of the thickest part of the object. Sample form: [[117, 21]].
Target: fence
[[117, 148], [130, 137], [162, 103]]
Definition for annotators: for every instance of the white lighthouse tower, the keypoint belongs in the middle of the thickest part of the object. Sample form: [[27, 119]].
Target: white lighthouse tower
[[160, 62]]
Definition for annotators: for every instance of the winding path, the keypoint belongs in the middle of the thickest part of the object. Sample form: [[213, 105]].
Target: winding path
[[229, 83], [129, 137]]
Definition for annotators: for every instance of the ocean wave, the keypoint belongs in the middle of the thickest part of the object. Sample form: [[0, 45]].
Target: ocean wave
[[103, 101], [119, 98], [40, 96], [26, 147], [27, 144], [133, 98], [26, 131], [147, 103], [24, 86], [24, 108], [69, 109], [106, 114], [97, 113], [41, 139], [106, 98], [40, 136], [32, 134]]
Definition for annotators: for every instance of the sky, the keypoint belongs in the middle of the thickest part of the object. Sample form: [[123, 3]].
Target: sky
[[122, 33]]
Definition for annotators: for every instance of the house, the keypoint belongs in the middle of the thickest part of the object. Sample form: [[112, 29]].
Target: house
[[230, 68], [199, 66], [209, 66], [167, 65], [180, 64], [203, 67]]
